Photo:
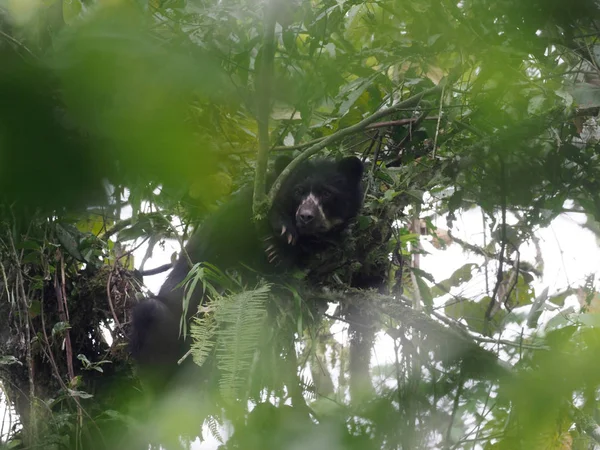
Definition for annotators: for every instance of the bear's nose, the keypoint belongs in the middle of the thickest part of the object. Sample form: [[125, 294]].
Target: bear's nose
[[306, 217]]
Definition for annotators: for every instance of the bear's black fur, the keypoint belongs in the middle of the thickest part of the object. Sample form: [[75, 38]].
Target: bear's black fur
[[315, 203]]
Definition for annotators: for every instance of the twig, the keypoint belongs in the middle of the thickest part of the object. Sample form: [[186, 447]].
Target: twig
[[399, 122], [487, 259], [376, 155], [368, 150], [499, 277], [408, 136], [514, 284], [264, 106], [62, 313], [29, 355], [156, 270], [148, 254], [437, 127], [19, 44], [478, 250], [109, 296], [455, 405], [116, 228], [282, 148], [50, 355]]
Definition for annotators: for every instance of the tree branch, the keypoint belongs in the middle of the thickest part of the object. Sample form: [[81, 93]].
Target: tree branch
[[264, 107], [500, 276], [120, 225], [373, 126], [410, 102], [434, 332], [156, 270]]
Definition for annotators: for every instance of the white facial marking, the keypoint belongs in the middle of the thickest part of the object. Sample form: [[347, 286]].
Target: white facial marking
[[314, 200], [311, 198]]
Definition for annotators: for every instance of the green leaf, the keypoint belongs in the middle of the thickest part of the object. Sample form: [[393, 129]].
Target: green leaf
[[537, 308], [586, 95], [241, 320], [460, 275], [389, 195], [60, 328], [14, 443], [353, 91], [80, 394], [472, 312], [29, 245], [589, 319], [535, 104], [425, 292], [560, 320], [71, 10], [364, 222], [522, 294], [35, 309], [417, 194], [8, 360], [559, 299], [69, 240]]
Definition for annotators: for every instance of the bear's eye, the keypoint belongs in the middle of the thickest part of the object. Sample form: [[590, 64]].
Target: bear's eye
[[299, 191], [326, 194]]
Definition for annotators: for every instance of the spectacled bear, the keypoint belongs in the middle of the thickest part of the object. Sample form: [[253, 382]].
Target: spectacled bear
[[315, 203]]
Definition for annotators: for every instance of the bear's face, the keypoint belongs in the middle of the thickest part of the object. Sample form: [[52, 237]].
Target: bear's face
[[326, 195], [321, 196]]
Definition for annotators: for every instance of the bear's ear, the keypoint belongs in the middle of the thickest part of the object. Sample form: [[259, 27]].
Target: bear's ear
[[352, 167], [281, 163]]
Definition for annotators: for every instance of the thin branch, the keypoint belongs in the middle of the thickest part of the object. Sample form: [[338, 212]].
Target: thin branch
[[17, 43], [455, 405], [499, 277], [400, 122], [62, 313], [519, 344], [282, 148], [478, 250], [149, 251], [120, 225], [514, 283], [487, 259], [156, 270], [373, 126], [48, 351], [368, 150], [264, 106], [28, 336], [377, 150], [109, 297], [416, 122], [437, 128]]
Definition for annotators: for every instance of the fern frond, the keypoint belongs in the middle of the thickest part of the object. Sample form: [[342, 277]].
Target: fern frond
[[241, 319], [214, 425], [310, 389], [203, 331], [213, 281]]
